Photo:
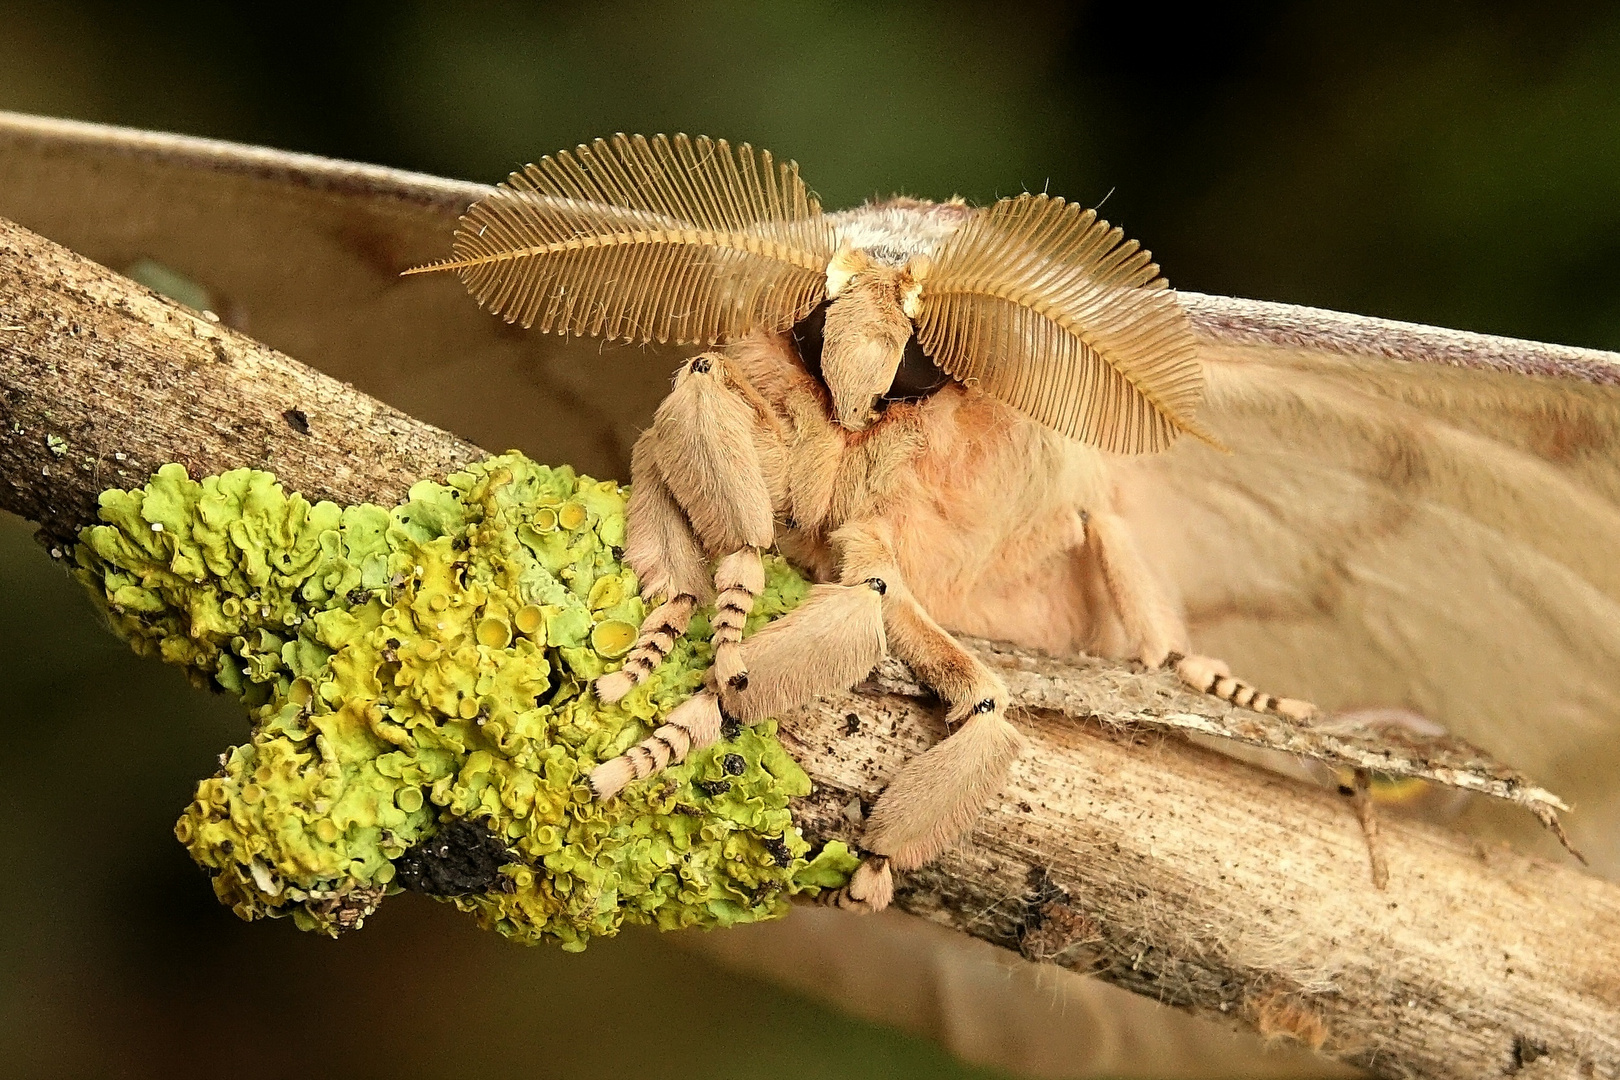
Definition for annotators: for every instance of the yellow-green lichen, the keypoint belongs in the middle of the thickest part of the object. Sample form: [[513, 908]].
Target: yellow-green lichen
[[430, 665]]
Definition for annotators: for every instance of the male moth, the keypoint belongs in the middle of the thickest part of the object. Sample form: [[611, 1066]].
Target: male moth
[[941, 412]]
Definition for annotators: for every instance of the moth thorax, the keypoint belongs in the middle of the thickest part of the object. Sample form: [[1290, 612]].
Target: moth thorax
[[863, 341]]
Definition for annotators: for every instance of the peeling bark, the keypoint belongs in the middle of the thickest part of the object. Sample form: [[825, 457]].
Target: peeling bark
[[1117, 848]]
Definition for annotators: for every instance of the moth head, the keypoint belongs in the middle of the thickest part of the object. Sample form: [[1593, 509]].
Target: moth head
[[1032, 301], [866, 331]]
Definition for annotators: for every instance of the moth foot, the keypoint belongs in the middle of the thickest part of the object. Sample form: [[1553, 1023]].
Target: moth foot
[[691, 725], [613, 686], [662, 627], [1210, 676], [870, 888], [936, 796]]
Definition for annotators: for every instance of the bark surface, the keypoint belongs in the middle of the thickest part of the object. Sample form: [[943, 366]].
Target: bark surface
[[1115, 849]]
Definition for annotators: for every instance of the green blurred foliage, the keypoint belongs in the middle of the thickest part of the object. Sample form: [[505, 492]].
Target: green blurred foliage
[[1452, 163]]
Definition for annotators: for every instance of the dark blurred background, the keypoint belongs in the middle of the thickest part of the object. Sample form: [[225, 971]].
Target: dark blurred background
[[1449, 163]]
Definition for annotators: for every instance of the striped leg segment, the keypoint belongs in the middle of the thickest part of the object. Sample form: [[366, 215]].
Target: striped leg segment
[[659, 632], [738, 581], [826, 644], [829, 642], [691, 725], [1210, 676], [870, 888]]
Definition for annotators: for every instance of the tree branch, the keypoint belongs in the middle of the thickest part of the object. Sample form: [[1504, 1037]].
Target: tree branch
[[1160, 866]]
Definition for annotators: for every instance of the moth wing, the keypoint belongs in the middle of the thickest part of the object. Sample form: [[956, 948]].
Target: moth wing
[[305, 253], [1408, 518]]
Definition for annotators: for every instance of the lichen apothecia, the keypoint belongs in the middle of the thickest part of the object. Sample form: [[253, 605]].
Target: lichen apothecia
[[424, 672]]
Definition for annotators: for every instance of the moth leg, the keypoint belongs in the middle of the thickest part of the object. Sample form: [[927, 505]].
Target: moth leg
[[691, 725], [1157, 631], [704, 445], [662, 549], [738, 581], [936, 796], [828, 643], [695, 723], [698, 488], [1152, 625], [1361, 798], [1210, 676]]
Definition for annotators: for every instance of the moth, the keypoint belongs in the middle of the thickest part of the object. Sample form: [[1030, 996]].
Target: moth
[[1409, 515], [923, 404]]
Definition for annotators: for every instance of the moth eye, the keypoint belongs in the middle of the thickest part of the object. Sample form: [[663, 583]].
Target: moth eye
[[917, 376], [807, 336]]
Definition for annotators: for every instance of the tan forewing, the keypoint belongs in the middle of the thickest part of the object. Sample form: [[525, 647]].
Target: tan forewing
[[1046, 307], [668, 239]]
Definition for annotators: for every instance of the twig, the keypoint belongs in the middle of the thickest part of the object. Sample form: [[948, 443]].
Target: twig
[[1185, 876]]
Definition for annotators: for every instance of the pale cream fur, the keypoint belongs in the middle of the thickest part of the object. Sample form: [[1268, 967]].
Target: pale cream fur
[[870, 888], [955, 513], [829, 642], [866, 550], [866, 335], [1148, 619], [662, 550], [936, 796], [738, 580], [702, 441]]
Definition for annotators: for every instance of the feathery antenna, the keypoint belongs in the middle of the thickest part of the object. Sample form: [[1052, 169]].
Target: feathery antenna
[[664, 239], [1048, 308]]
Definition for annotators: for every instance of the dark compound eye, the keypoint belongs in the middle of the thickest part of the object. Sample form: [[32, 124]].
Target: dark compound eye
[[916, 377], [807, 336]]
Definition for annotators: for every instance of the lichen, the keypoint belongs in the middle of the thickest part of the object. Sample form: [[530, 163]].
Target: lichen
[[417, 671]]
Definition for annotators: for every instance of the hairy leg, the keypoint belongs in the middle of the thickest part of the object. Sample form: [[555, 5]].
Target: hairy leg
[[1156, 629], [697, 490], [663, 551], [1152, 625], [738, 581], [703, 471], [936, 796], [828, 643], [1210, 676], [703, 441], [691, 725], [659, 544]]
